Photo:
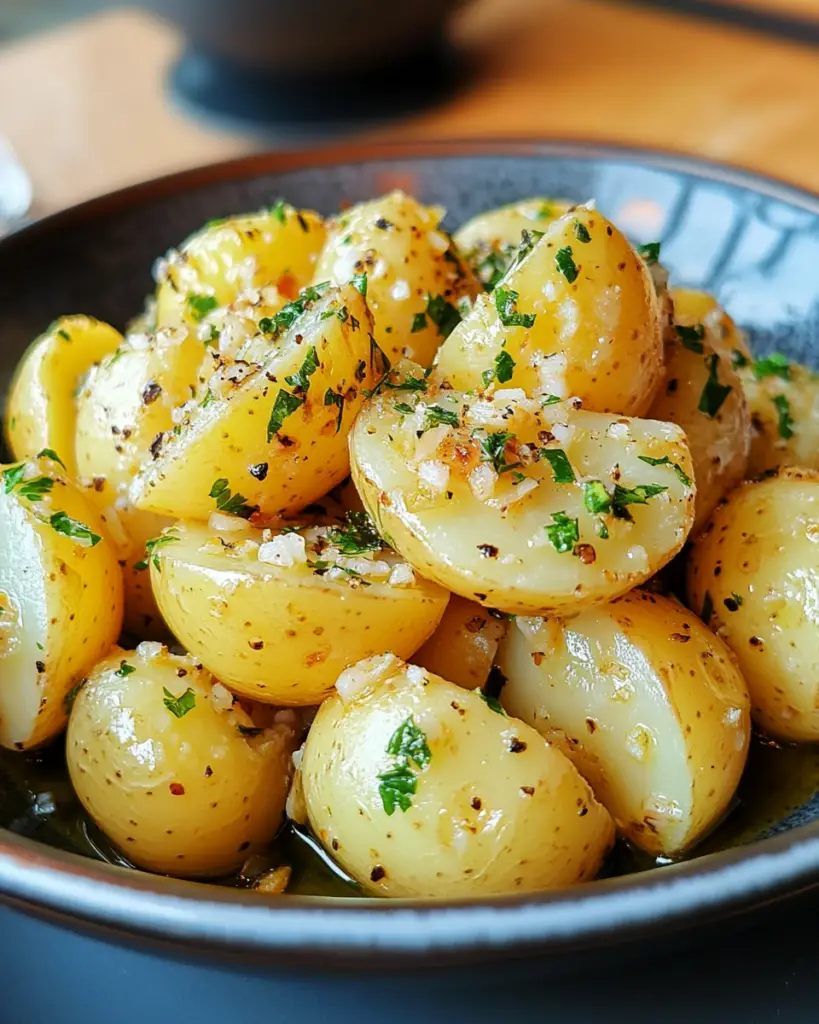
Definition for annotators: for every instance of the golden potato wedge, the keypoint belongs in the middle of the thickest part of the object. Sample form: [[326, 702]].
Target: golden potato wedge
[[576, 316], [60, 598], [462, 649], [703, 394], [420, 788], [646, 702], [518, 505], [271, 436], [277, 616], [405, 262], [180, 777], [490, 241], [783, 397], [753, 576], [234, 257], [41, 410]]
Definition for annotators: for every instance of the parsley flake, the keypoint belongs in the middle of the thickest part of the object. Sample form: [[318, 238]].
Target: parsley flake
[[650, 252], [595, 497], [443, 314], [783, 409], [181, 705], [561, 467], [691, 337], [665, 461], [124, 669], [407, 384], [151, 548], [506, 305], [503, 369], [301, 381], [707, 608], [285, 405], [359, 281], [64, 524], [581, 232], [230, 504], [738, 359], [279, 211], [49, 453], [398, 784], [564, 261], [550, 400], [493, 449], [356, 536], [334, 398], [563, 532], [436, 415], [774, 365], [201, 305], [492, 703], [419, 322], [35, 490], [714, 393], [638, 495]]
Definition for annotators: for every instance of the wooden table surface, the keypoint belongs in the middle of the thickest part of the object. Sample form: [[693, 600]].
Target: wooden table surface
[[86, 109]]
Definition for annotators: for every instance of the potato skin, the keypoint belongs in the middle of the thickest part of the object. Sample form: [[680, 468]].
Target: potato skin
[[190, 796], [407, 257], [276, 634], [488, 806], [60, 606], [41, 410], [228, 258], [758, 564], [490, 240], [463, 646], [495, 548], [646, 702], [719, 444], [228, 435], [784, 418], [596, 336]]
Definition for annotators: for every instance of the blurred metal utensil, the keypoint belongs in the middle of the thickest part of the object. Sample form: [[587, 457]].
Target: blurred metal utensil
[[16, 191]]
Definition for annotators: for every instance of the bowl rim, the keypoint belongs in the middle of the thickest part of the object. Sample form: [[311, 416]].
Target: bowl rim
[[366, 933]]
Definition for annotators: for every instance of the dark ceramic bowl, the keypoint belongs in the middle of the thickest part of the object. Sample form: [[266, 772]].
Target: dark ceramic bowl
[[752, 241]]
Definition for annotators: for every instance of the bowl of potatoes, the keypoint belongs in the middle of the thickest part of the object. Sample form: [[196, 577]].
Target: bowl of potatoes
[[412, 554]]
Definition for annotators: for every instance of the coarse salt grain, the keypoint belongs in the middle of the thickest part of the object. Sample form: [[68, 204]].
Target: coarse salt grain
[[226, 524], [400, 290], [286, 550], [482, 481], [402, 575], [221, 698], [434, 475], [149, 649], [359, 677]]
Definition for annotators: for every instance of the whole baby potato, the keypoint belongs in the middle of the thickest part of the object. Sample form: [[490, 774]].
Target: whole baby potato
[[277, 616], [171, 769], [646, 702], [420, 788], [60, 598], [415, 279], [753, 576], [577, 315]]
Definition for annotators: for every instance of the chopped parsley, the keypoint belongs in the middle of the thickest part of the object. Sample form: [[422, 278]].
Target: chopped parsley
[[493, 449], [419, 322], [502, 371], [638, 495], [691, 337], [714, 393], [356, 536], [278, 210], [124, 669], [528, 240], [595, 497], [665, 461], [61, 333], [35, 490], [436, 415], [785, 420], [774, 365], [408, 744], [201, 305], [181, 705], [650, 252], [334, 398], [49, 453], [550, 400], [404, 408], [284, 406], [407, 384], [301, 381], [359, 281], [561, 467], [506, 304], [230, 504], [563, 533], [492, 268], [289, 314], [443, 314], [564, 261], [581, 232], [377, 353], [738, 359], [492, 703], [64, 524], [151, 548], [71, 696], [707, 608]]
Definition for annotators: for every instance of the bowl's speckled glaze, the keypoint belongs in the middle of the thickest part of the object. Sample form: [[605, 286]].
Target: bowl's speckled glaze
[[754, 242]]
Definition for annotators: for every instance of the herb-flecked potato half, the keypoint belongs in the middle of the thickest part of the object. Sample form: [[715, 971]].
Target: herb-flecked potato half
[[516, 504], [490, 241], [421, 788], [233, 257], [41, 411], [270, 434], [576, 315], [174, 771], [648, 704], [60, 598], [703, 394], [277, 616], [753, 576], [412, 275]]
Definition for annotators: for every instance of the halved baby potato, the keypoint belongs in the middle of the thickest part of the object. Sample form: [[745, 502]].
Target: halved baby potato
[[270, 435], [490, 241], [406, 264], [518, 505], [180, 777], [277, 616], [753, 576], [703, 394], [463, 646], [646, 702], [420, 788], [41, 410], [60, 598], [576, 316], [235, 256], [784, 401]]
